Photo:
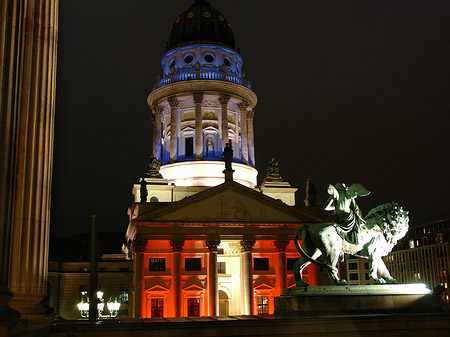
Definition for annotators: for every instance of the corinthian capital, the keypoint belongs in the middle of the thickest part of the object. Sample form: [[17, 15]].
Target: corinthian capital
[[281, 245], [173, 101], [156, 109], [198, 97], [212, 245], [251, 114], [224, 98], [247, 245], [243, 105], [177, 245], [138, 246]]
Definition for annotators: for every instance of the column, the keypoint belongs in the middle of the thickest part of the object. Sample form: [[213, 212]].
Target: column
[[138, 249], [156, 116], [247, 276], [280, 266], [213, 279], [198, 99], [28, 38], [244, 133], [251, 141], [173, 128], [223, 100], [177, 247]]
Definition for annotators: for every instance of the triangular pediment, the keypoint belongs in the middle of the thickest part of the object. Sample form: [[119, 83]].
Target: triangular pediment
[[228, 202], [264, 286], [157, 288]]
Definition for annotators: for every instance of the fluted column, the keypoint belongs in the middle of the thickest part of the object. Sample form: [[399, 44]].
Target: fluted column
[[156, 116], [247, 275], [28, 37], [198, 99], [280, 266], [138, 248], [223, 100], [244, 133], [251, 141], [177, 247], [213, 279], [173, 128]]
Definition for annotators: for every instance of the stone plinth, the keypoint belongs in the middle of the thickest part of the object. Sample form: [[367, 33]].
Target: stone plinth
[[367, 298]]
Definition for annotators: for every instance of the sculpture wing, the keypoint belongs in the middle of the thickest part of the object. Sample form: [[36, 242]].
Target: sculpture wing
[[357, 190]]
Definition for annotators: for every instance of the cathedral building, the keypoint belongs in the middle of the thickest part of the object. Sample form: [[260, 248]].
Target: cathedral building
[[208, 241]]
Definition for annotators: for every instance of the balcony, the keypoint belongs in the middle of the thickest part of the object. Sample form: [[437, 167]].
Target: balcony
[[201, 75]]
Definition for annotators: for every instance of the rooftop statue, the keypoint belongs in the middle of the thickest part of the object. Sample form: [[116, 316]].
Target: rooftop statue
[[227, 157], [153, 168], [273, 171], [370, 237]]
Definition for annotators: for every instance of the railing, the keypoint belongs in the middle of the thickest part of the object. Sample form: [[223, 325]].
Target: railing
[[201, 75]]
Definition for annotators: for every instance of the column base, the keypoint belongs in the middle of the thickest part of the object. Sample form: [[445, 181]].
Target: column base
[[32, 307]]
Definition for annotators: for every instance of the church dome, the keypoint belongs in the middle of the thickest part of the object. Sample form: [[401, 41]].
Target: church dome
[[201, 24]]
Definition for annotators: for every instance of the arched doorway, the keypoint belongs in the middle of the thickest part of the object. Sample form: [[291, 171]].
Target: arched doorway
[[223, 303]]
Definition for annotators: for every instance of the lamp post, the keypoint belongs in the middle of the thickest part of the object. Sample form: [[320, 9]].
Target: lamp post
[[113, 307]]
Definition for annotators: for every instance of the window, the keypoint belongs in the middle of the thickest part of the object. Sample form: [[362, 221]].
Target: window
[[157, 307], [172, 64], [84, 269], [193, 307], [263, 305], [220, 251], [192, 264], [124, 269], [157, 264], [367, 277], [227, 61], [188, 59], [209, 58], [366, 265], [154, 199], [189, 147], [123, 293], [291, 262], [411, 243], [353, 266], [354, 277], [221, 268], [102, 269], [261, 263]]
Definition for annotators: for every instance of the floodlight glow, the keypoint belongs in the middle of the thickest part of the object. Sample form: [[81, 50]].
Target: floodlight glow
[[414, 288], [99, 294], [207, 173]]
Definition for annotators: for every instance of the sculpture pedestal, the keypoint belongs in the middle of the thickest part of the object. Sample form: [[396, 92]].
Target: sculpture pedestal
[[355, 298]]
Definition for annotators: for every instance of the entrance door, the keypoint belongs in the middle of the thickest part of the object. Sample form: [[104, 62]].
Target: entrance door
[[223, 303]]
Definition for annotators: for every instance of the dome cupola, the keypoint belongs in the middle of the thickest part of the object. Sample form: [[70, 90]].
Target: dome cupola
[[200, 24]]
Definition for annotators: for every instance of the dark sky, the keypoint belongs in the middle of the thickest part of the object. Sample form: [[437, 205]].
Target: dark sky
[[352, 91]]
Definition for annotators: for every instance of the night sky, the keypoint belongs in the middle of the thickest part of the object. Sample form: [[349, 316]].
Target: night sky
[[352, 91]]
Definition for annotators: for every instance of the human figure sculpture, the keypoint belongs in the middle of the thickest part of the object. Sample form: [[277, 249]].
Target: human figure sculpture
[[209, 147], [273, 171], [347, 215], [227, 157], [370, 237], [144, 193], [153, 168]]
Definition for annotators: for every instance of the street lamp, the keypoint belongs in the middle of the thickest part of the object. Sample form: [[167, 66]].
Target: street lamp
[[113, 306]]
